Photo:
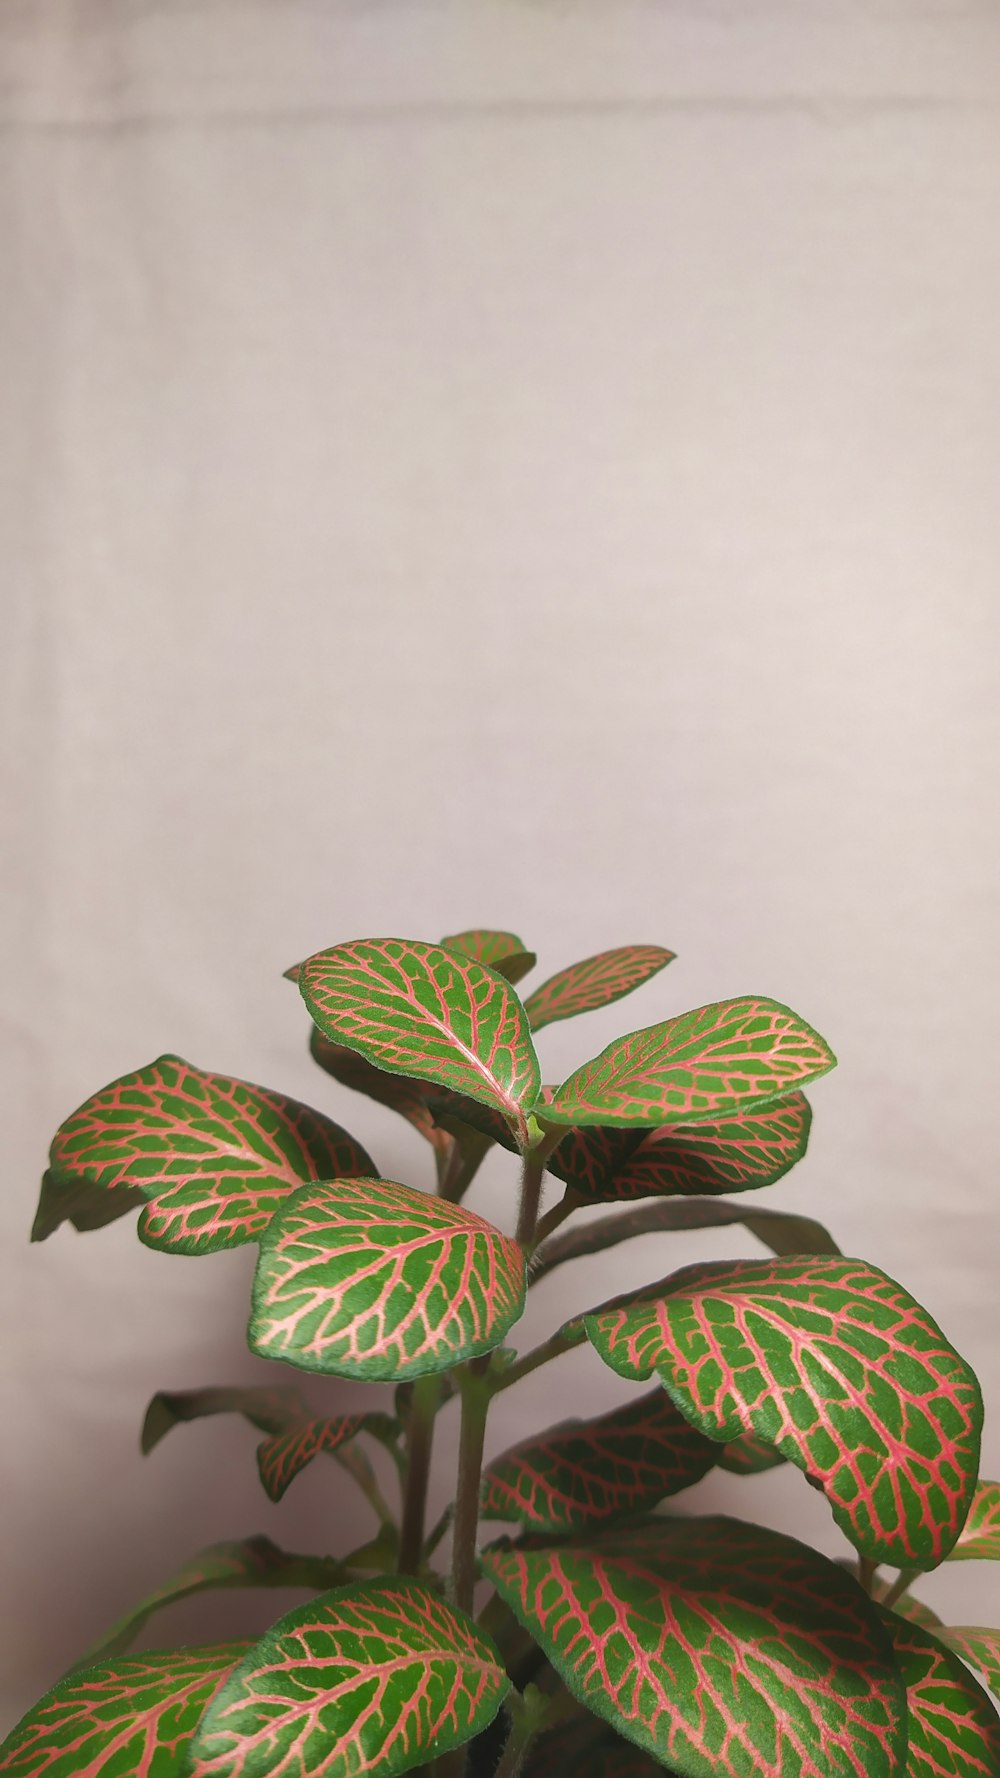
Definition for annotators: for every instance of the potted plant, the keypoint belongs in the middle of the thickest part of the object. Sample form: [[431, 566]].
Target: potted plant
[[600, 1629]]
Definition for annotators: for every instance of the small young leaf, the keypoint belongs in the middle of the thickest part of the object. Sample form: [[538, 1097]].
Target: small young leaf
[[588, 1470], [214, 1156], [369, 1279], [502, 951], [979, 1647], [721, 1648], [120, 1719], [250, 1562], [705, 1064], [979, 1539], [597, 981], [953, 1728], [406, 1097], [837, 1367], [743, 1152], [267, 1409], [287, 1453], [374, 1677], [420, 1010]]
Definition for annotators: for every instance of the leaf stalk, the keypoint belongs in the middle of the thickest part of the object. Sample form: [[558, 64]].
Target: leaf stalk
[[476, 1393], [419, 1443]]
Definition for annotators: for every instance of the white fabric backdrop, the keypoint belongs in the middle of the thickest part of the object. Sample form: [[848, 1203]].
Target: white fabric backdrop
[[518, 464]]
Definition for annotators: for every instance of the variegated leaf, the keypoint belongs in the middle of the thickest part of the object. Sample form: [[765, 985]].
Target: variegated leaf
[[779, 1230], [721, 1648], [213, 1156], [375, 1677], [979, 1539], [287, 1453], [953, 1728], [739, 1153], [422, 1011], [979, 1647], [249, 1562], [267, 1409], [370, 1279], [705, 1064], [597, 981], [589, 1470], [120, 1719], [502, 951], [406, 1097], [835, 1365]]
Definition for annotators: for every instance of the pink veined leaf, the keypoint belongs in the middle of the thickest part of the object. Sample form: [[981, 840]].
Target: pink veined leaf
[[285, 1454], [597, 981], [708, 1063], [835, 1365], [121, 1719], [953, 1728], [979, 1538], [428, 1013], [749, 1455], [213, 1156], [591, 1470], [267, 1409], [248, 1562], [408, 1098], [72, 1197], [979, 1647], [720, 1648], [374, 1677], [748, 1149], [502, 951], [914, 1610], [371, 1279]]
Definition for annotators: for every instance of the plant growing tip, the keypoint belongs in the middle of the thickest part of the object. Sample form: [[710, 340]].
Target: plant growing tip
[[617, 1635]]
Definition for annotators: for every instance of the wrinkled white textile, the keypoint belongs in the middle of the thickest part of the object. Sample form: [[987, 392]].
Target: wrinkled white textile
[[528, 464]]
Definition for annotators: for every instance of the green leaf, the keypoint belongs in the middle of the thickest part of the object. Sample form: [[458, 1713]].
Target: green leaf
[[979, 1538], [123, 1719], [719, 1647], [502, 951], [370, 1279], [705, 1064], [779, 1230], [422, 1011], [588, 1470], [287, 1453], [835, 1365], [408, 1098], [914, 1610], [248, 1562], [597, 981], [742, 1152], [213, 1156], [374, 1677], [71, 1197], [979, 1647], [954, 1730], [267, 1409]]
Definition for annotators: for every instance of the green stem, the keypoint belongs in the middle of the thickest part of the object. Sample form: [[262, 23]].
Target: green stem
[[419, 1440], [902, 1584], [512, 1758], [553, 1347], [475, 1406]]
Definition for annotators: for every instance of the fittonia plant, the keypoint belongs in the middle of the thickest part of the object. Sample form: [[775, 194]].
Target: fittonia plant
[[610, 1635]]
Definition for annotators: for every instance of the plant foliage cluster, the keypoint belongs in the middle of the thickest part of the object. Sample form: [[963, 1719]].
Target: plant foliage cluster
[[606, 1634]]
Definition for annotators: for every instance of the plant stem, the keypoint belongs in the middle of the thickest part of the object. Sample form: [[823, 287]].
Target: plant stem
[[512, 1757], [902, 1584], [475, 1405], [553, 1347], [532, 1173], [569, 1202], [419, 1440], [867, 1571]]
